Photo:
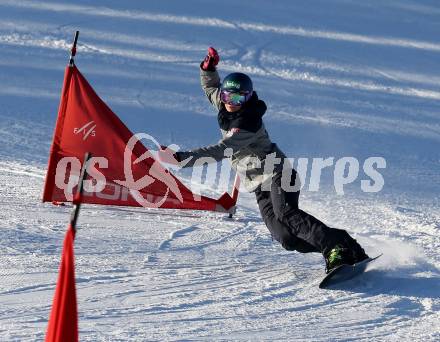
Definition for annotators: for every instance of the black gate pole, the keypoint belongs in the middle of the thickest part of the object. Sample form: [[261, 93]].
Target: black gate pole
[[73, 50], [78, 196]]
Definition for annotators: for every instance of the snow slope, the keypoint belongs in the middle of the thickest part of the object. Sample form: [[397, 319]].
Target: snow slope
[[340, 79]]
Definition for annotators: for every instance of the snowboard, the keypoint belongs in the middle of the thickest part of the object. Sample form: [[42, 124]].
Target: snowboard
[[345, 272]]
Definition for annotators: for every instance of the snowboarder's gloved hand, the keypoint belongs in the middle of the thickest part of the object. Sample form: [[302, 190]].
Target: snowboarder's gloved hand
[[211, 60]]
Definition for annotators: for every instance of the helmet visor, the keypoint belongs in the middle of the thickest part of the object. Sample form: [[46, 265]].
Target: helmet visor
[[234, 98]]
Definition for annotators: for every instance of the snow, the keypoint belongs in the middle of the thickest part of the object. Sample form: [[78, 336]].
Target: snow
[[341, 79]]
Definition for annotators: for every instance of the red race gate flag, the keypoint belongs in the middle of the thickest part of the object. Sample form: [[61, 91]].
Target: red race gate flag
[[63, 321], [123, 172]]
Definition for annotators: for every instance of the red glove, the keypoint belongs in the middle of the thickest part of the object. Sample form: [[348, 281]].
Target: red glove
[[211, 60]]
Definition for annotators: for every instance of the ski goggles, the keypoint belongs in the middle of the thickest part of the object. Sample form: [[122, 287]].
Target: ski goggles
[[233, 98]]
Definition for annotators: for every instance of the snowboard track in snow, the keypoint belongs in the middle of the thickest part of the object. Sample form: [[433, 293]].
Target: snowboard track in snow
[[198, 273]]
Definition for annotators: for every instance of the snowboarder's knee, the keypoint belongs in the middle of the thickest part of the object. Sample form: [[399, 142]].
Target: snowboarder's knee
[[292, 243], [288, 241], [287, 246]]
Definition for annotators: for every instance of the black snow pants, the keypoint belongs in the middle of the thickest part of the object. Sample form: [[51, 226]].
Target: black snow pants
[[292, 227]]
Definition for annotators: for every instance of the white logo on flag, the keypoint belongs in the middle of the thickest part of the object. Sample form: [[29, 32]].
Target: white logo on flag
[[88, 130]]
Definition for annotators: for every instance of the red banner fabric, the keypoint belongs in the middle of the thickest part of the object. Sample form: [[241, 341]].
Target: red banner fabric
[[123, 171], [63, 321]]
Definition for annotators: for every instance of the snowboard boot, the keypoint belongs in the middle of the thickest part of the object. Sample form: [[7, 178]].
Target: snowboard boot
[[340, 255]]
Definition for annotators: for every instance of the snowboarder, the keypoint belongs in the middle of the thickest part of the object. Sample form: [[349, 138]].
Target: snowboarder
[[240, 113]]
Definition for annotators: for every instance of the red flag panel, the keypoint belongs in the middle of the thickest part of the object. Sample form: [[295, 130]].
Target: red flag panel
[[63, 321], [123, 171]]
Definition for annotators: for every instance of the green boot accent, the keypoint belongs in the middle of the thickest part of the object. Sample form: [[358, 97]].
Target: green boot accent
[[337, 257]]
